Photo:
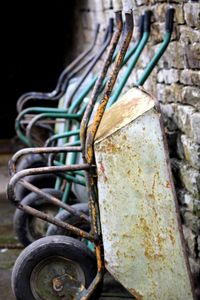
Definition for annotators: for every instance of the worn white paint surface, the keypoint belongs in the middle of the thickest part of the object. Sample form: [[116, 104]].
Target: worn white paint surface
[[141, 236]]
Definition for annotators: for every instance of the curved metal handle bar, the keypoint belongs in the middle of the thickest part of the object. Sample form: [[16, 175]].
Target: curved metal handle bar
[[161, 50], [40, 150], [88, 154], [101, 77], [36, 171], [67, 70], [39, 117], [18, 121], [55, 137], [142, 43], [55, 201]]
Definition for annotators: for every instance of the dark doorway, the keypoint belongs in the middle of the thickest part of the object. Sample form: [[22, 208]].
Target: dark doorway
[[37, 40]]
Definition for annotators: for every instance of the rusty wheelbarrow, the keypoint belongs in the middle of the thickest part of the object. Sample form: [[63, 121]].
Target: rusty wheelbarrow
[[135, 225]]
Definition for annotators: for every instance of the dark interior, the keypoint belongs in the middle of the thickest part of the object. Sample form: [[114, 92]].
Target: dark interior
[[35, 41]]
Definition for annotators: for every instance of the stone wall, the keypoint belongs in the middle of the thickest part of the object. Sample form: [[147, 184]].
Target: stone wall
[[176, 83]]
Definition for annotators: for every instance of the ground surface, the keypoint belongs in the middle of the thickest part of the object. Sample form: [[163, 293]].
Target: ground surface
[[8, 256]]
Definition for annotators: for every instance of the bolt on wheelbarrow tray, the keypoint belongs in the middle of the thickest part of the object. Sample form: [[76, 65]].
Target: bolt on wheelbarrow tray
[[142, 235]]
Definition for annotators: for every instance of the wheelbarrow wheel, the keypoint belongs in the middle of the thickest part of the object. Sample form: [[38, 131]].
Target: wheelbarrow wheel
[[31, 161], [40, 181], [71, 219], [29, 228], [52, 268]]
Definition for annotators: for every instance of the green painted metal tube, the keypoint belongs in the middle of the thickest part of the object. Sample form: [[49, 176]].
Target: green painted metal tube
[[155, 59], [31, 110], [129, 69], [61, 136]]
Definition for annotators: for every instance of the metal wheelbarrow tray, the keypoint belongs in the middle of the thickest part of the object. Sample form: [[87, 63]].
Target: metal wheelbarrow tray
[[142, 235]]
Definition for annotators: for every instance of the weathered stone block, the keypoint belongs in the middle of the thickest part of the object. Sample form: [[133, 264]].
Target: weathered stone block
[[160, 13], [190, 179], [170, 93], [189, 151], [150, 83], [157, 30], [187, 120], [186, 200], [142, 2], [193, 56], [192, 14], [168, 76], [174, 57], [195, 127], [189, 35], [145, 57], [160, 89], [191, 221], [191, 96], [167, 113], [190, 239], [190, 77], [107, 4], [182, 117]]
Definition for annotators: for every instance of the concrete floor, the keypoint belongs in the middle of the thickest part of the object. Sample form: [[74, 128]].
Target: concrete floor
[[8, 256]]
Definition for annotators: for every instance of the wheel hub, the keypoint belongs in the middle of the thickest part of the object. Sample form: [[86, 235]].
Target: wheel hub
[[57, 278]]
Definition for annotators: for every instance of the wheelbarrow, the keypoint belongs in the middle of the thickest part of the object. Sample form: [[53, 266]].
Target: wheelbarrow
[[144, 229]]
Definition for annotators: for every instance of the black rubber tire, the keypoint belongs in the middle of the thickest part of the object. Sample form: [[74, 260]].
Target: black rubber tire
[[22, 221], [71, 219], [31, 161], [40, 181], [49, 248]]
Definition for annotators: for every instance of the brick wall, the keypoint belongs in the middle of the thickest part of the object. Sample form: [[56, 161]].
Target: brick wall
[[176, 83]]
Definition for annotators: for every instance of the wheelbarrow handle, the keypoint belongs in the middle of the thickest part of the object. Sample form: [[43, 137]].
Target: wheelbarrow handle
[[127, 6], [169, 20], [117, 5], [147, 20], [141, 25]]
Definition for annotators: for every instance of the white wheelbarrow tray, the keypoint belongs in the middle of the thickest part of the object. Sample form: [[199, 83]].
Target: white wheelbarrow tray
[[142, 234]]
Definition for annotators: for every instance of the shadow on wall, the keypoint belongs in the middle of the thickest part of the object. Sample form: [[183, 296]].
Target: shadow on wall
[[36, 39]]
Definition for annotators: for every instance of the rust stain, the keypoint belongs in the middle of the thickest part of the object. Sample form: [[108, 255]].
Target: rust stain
[[149, 242], [168, 184], [171, 237], [102, 167], [136, 294], [102, 171], [109, 147], [139, 171], [151, 196]]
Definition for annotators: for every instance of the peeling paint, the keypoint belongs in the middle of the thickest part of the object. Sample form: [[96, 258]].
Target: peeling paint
[[139, 219]]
